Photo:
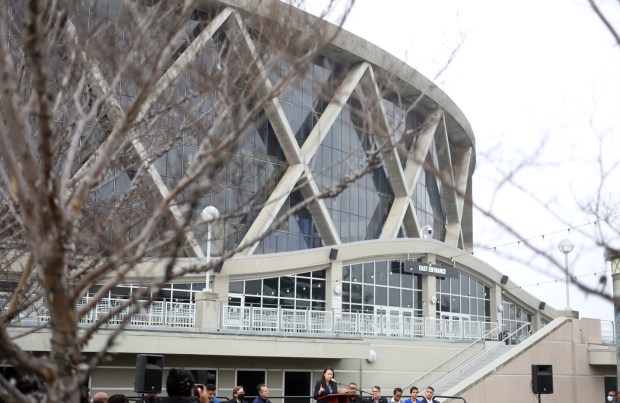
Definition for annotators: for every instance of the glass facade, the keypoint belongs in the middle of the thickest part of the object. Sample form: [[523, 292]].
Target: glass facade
[[295, 291], [514, 316], [379, 286], [247, 173], [464, 297]]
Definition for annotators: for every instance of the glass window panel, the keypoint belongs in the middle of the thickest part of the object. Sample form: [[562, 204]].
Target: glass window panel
[[394, 276], [319, 274], [270, 286], [455, 285], [487, 308], [287, 287], [444, 301], [356, 293], [253, 287], [286, 303], [394, 296], [356, 272], [346, 273], [465, 305], [406, 298], [381, 296], [270, 302], [473, 306], [407, 280], [318, 289], [252, 301], [444, 284], [464, 284], [480, 304], [369, 294], [303, 288], [346, 292], [381, 273], [369, 273], [302, 304], [455, 304]]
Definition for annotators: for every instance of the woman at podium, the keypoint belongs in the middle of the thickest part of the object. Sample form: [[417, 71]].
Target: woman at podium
[[326, 385]]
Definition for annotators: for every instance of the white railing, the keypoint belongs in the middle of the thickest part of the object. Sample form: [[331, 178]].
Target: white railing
[[608, 333], [288, 321], [157, 313]]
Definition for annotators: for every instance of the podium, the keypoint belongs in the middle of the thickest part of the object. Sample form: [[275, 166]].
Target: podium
[[334, 398]]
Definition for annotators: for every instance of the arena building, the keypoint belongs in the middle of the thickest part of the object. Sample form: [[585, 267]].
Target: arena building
[[378, 282]]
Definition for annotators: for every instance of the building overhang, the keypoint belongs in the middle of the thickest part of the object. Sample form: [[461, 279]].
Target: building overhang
[[206, 344]]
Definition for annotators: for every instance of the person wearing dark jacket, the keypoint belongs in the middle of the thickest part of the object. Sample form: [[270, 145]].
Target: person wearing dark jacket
[[181, 388], [263, 394], [429, 395], [326, 385], [376, 396]]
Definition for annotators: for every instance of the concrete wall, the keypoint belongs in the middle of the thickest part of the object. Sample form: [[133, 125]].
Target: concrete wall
[[566, 349]]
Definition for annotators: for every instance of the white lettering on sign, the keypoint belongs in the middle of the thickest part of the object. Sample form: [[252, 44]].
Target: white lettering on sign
[[431, 269]]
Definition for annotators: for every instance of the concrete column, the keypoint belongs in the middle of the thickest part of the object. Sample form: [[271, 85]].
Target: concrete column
[[497, 314], [429, 290], [333, 287], [207, 311], [613, 256]]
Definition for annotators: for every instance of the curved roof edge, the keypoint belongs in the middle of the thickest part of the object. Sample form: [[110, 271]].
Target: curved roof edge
[[347, 47]]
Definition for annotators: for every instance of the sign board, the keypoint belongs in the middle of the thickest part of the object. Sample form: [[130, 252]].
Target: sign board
[[431, 269]]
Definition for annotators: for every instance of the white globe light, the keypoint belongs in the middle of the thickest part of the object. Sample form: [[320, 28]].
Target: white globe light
[[209, 213]]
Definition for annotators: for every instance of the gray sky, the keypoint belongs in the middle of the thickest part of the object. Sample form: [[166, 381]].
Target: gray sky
[[539, 81]]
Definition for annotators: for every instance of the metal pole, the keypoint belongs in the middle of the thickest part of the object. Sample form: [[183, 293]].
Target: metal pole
[[208, 274], [567, 280], [613, 256]]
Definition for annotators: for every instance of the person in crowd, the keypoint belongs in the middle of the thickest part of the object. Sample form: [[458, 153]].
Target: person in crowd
[[611, 396], [100, 397], [397, 394], [376, 396], [429, 395], [238, 394], [326, 385], [181, 388], [413, 391], [263, 394], [118, 398], [151, 398], [353, 397], [211, 393]]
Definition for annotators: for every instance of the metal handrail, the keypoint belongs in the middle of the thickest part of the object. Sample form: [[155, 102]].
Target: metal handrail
[[452, 357], [482, 353]]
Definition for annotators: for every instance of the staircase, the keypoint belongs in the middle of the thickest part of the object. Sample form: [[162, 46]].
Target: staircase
[[491, 352]]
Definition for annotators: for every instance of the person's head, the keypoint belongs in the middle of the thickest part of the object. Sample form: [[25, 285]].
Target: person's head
[[180, 382], [100, 397], [210, 391], [414, 392], [118, 398], [352, 388], [429, 392], [238, 392], [611, 396], [328, 374], [262, 391], [618, 395], [397, 394], [376, 392]]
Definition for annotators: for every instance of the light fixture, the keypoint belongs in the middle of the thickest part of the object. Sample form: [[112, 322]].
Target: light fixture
[[434, 299], [209, 214], [372, 356], [337, 289]]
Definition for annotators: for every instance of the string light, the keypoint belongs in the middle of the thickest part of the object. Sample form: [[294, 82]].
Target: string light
[[518, 243], [556, 280]]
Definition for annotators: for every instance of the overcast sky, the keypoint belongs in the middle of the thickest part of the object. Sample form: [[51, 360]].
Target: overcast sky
[[539, 81]]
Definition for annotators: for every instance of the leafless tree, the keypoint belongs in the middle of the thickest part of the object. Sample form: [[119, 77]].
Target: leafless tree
[[96, 98]]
